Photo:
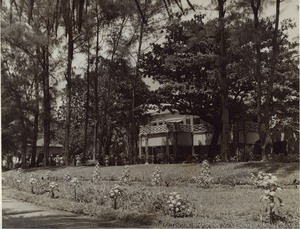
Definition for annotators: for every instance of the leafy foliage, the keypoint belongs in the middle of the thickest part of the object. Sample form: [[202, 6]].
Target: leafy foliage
[[178, 207]]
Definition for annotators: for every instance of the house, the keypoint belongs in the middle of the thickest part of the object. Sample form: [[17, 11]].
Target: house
[[54, 149], [183, 137]]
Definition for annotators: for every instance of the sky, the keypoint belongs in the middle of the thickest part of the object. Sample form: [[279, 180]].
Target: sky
[[289, 9]]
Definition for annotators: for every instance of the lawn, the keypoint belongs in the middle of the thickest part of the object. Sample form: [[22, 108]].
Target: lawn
[[231, 201]]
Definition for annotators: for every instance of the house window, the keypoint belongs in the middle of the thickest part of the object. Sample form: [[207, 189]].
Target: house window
[[196, 120], [188, 121]]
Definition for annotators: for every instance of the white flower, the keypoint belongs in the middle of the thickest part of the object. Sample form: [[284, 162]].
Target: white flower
[[272, 193]]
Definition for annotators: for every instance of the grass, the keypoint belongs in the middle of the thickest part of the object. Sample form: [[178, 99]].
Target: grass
[[219, 206], [286, 172]]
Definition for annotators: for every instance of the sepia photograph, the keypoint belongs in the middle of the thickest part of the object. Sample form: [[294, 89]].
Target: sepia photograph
[[150, 114]]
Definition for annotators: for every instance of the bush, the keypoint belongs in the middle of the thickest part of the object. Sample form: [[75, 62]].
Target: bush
[[125, 175], [156, 177], [115, 192], [75, 183], [205, 178], [53, 187], [96, 174], [178, 207], [271, 202], [33, 181]]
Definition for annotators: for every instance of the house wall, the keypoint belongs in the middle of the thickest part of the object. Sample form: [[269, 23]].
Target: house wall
[[52, 151], [157, 140], [203, 139], [184, 139]]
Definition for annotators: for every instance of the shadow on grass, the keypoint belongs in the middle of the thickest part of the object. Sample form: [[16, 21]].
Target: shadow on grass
[[11, 212], [271, 167], [10, 220]]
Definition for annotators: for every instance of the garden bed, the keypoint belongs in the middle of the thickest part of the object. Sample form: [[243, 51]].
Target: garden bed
[[236, 204]]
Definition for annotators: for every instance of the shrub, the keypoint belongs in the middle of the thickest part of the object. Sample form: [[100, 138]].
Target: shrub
[[263, 180], [49, 176], [96, 174], [217, 158], [115, 192], [67, 177], [74, 183], [205, 178], [271, 202], [53, 186], [178, 207], [125, 174], [156, 177], [33, 181], [19, 178]]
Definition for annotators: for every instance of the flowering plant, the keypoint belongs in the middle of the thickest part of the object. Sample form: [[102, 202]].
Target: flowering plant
[[49, 176], [115, 193], [19, 177], [263, 180], [74, 182], [217, 158], [53, 186], [271, 202], [67, 177], [125, 174], [156, 177], [33, 181], [96, 174], [205, 178], [177, 206]]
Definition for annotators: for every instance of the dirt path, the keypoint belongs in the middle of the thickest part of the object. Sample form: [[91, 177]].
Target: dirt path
[[18, 214]]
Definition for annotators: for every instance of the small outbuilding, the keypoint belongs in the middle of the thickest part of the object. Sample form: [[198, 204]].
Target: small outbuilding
[[54, 149]]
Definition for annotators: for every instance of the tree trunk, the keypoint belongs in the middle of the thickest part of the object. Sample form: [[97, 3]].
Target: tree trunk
[[212, 150], [23, 149], [223, 83], [133, 127], [68, 86], [24, 132], [260, 119], [36, 122], [46, 102], [87, 102], [96, 114], [266, 144]]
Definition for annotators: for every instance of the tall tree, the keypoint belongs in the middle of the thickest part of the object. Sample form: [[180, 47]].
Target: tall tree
[[222, 78]]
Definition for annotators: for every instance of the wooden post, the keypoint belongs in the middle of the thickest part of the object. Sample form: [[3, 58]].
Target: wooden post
[[140, 145], [245, 138], [167, 144], [192, 135], [146, 149], [175, 141]]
